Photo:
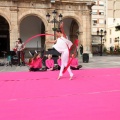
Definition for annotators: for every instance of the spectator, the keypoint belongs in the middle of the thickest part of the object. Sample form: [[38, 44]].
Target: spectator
[[81, 49], [35, 63], [50, 63], [74, 64]]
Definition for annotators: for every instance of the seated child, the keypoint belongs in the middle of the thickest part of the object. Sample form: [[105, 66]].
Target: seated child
[[74, 64], [35, 63], [50, 63]]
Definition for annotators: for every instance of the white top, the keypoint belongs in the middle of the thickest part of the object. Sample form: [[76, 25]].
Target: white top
[[19, 46], [62, 44]]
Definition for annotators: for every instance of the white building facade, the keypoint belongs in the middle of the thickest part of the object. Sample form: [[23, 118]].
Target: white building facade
[[98, 23], [113, 24]]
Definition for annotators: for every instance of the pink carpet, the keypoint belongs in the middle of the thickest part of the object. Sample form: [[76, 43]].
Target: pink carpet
[[93, 94]]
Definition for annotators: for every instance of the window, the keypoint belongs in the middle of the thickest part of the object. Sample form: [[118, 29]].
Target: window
[[101, 3], [110, 40], [101, 12], [110, 31], [94, 30], [101, 21], [94, 12], [105, 21], [94, 22], [117, 28]]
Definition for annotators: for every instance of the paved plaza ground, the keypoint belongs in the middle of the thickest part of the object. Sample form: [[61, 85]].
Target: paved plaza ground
[[94, 62]]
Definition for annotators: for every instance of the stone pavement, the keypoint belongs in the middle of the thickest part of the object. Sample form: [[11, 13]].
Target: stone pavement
[[94, 62], [102, 62]]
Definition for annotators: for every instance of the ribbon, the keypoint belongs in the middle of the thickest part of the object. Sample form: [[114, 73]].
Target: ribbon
[[38, 35], [70, 60]]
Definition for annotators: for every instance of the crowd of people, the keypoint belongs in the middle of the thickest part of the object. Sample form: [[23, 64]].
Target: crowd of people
[[36, 63], [63, 46]]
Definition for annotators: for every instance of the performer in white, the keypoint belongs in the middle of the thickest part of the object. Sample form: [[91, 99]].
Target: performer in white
[[62, 45]]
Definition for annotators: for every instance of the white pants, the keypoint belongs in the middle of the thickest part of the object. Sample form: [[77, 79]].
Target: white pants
[[64, 62]]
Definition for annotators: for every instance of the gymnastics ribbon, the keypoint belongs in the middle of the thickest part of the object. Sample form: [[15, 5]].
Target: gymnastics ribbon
[[38, 35], [74, 44], [70, 60]]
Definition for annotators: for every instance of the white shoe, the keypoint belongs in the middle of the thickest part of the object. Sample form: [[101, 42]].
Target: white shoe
[[71, 77], [59, 77]]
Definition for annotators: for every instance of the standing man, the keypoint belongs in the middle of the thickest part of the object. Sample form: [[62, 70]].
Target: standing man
[[81, 49]]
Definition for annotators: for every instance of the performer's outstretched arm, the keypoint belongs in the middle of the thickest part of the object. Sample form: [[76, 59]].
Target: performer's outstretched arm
[[51, 41]]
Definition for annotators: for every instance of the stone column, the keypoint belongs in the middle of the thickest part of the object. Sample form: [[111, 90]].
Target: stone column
[[14, 26], [86, 32], [49, 31], [80, 43]]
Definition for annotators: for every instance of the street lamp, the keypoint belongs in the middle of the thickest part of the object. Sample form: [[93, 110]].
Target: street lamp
[[54, 20], [101, 33]]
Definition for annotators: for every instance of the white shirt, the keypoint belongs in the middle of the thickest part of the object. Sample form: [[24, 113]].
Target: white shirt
[[62, 44], [19, 46]]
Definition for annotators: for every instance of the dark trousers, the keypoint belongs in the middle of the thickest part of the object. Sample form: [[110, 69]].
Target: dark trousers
[[54, 68], [36, 69], [78, 67], [59, 67], [20, 56]]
